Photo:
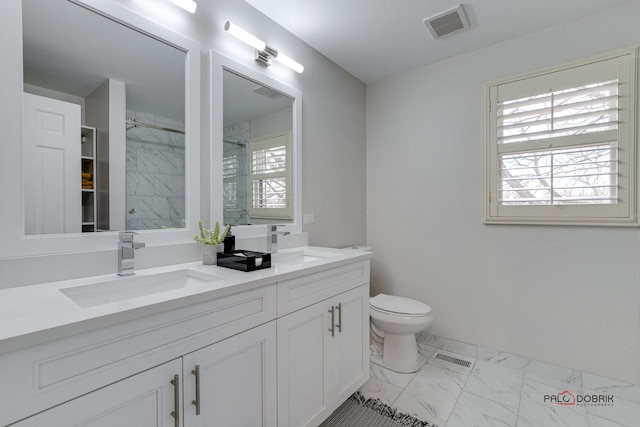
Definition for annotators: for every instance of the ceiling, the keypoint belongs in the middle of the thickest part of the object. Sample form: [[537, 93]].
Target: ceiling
[[372, 39], [243, 99]]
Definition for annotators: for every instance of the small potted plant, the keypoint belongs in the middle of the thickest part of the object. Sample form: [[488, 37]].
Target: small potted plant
[[211, 242]]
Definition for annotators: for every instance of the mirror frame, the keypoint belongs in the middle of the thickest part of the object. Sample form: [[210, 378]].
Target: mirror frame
[[12, 224], [218, 64]]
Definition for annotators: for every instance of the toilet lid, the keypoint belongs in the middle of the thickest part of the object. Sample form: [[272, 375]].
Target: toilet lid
[[400, 305]]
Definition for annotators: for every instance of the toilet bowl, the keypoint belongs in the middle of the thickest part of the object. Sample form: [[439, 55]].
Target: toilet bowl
[[394, 324]]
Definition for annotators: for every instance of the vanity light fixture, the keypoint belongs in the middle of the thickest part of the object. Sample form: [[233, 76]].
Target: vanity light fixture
[[264, 53], [285, 60], [245, 36], [188, 5]]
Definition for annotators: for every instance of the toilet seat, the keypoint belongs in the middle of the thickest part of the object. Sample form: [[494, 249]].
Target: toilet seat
[[394, 305]]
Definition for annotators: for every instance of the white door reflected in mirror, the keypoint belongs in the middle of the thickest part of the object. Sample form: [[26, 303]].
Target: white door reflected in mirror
[[51, 156]]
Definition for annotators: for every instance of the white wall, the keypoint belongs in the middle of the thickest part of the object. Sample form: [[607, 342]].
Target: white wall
[[279, 121], [333, 131], [565, 295]]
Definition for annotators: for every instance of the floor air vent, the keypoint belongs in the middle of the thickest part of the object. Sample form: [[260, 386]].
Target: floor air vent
[[455, 360], [452, 362]]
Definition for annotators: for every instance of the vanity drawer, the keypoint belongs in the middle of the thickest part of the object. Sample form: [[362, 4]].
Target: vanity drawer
[[48, 374], [304, 291]]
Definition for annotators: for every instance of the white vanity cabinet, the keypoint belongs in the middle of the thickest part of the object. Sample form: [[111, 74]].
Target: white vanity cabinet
[[143, 400], [40, 377], [323, 348], [233, 382], [283, 350], [230, 383]]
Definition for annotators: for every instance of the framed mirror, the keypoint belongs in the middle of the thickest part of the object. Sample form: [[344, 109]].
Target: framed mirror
[[109, 128], [259, 148], [114, 90], [257, 152]]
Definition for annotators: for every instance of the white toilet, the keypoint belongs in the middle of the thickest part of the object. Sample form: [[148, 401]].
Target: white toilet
[[394, 324]]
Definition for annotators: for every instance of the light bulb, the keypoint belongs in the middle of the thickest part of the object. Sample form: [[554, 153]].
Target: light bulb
[[285, 60], [243, 35], [188, 5]]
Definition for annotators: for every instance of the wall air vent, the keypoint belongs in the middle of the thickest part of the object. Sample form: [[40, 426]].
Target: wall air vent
[[448, 22]]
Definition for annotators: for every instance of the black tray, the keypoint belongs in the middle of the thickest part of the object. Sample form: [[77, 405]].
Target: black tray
[[244, 263]]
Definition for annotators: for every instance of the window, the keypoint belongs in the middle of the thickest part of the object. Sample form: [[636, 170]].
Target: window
[[561, 145], [271, 177]]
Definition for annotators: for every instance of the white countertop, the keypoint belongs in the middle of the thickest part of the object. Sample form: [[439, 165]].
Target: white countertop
[[31, 315]]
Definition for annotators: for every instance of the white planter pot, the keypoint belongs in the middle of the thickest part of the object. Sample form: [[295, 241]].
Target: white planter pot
[[210, 254]]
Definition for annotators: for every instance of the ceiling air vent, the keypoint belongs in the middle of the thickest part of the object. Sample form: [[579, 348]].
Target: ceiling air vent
[[448, 22], [268, 92]]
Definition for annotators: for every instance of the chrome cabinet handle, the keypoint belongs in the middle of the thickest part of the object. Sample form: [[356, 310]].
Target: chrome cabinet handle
[[332, 329], [196, 402], [339, 325], [176, 400]]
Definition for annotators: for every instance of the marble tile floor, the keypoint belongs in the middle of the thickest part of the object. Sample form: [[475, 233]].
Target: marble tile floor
[[501, 390]]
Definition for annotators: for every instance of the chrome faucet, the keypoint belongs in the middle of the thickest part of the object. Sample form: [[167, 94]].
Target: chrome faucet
[[272, 238], [126, 250]]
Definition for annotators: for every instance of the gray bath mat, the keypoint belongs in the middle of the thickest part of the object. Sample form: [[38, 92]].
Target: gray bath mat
[[358, 411]]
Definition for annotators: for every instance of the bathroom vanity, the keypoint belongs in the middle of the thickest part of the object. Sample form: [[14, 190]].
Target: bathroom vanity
[[189, 345]]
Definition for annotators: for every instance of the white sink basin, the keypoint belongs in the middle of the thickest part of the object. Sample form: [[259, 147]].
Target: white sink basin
[[301, 257], [124, 288]]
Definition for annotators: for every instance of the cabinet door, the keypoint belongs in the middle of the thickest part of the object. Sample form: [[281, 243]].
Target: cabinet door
[[143, 400], [351, 346], [237, 381], [303, 366]]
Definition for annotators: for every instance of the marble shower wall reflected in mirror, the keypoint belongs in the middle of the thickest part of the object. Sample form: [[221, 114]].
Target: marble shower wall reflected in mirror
[[155, 172]]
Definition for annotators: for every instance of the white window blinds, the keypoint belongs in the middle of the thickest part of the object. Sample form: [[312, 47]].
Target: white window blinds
[[560, 146], [271, 177], [573, 111]]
